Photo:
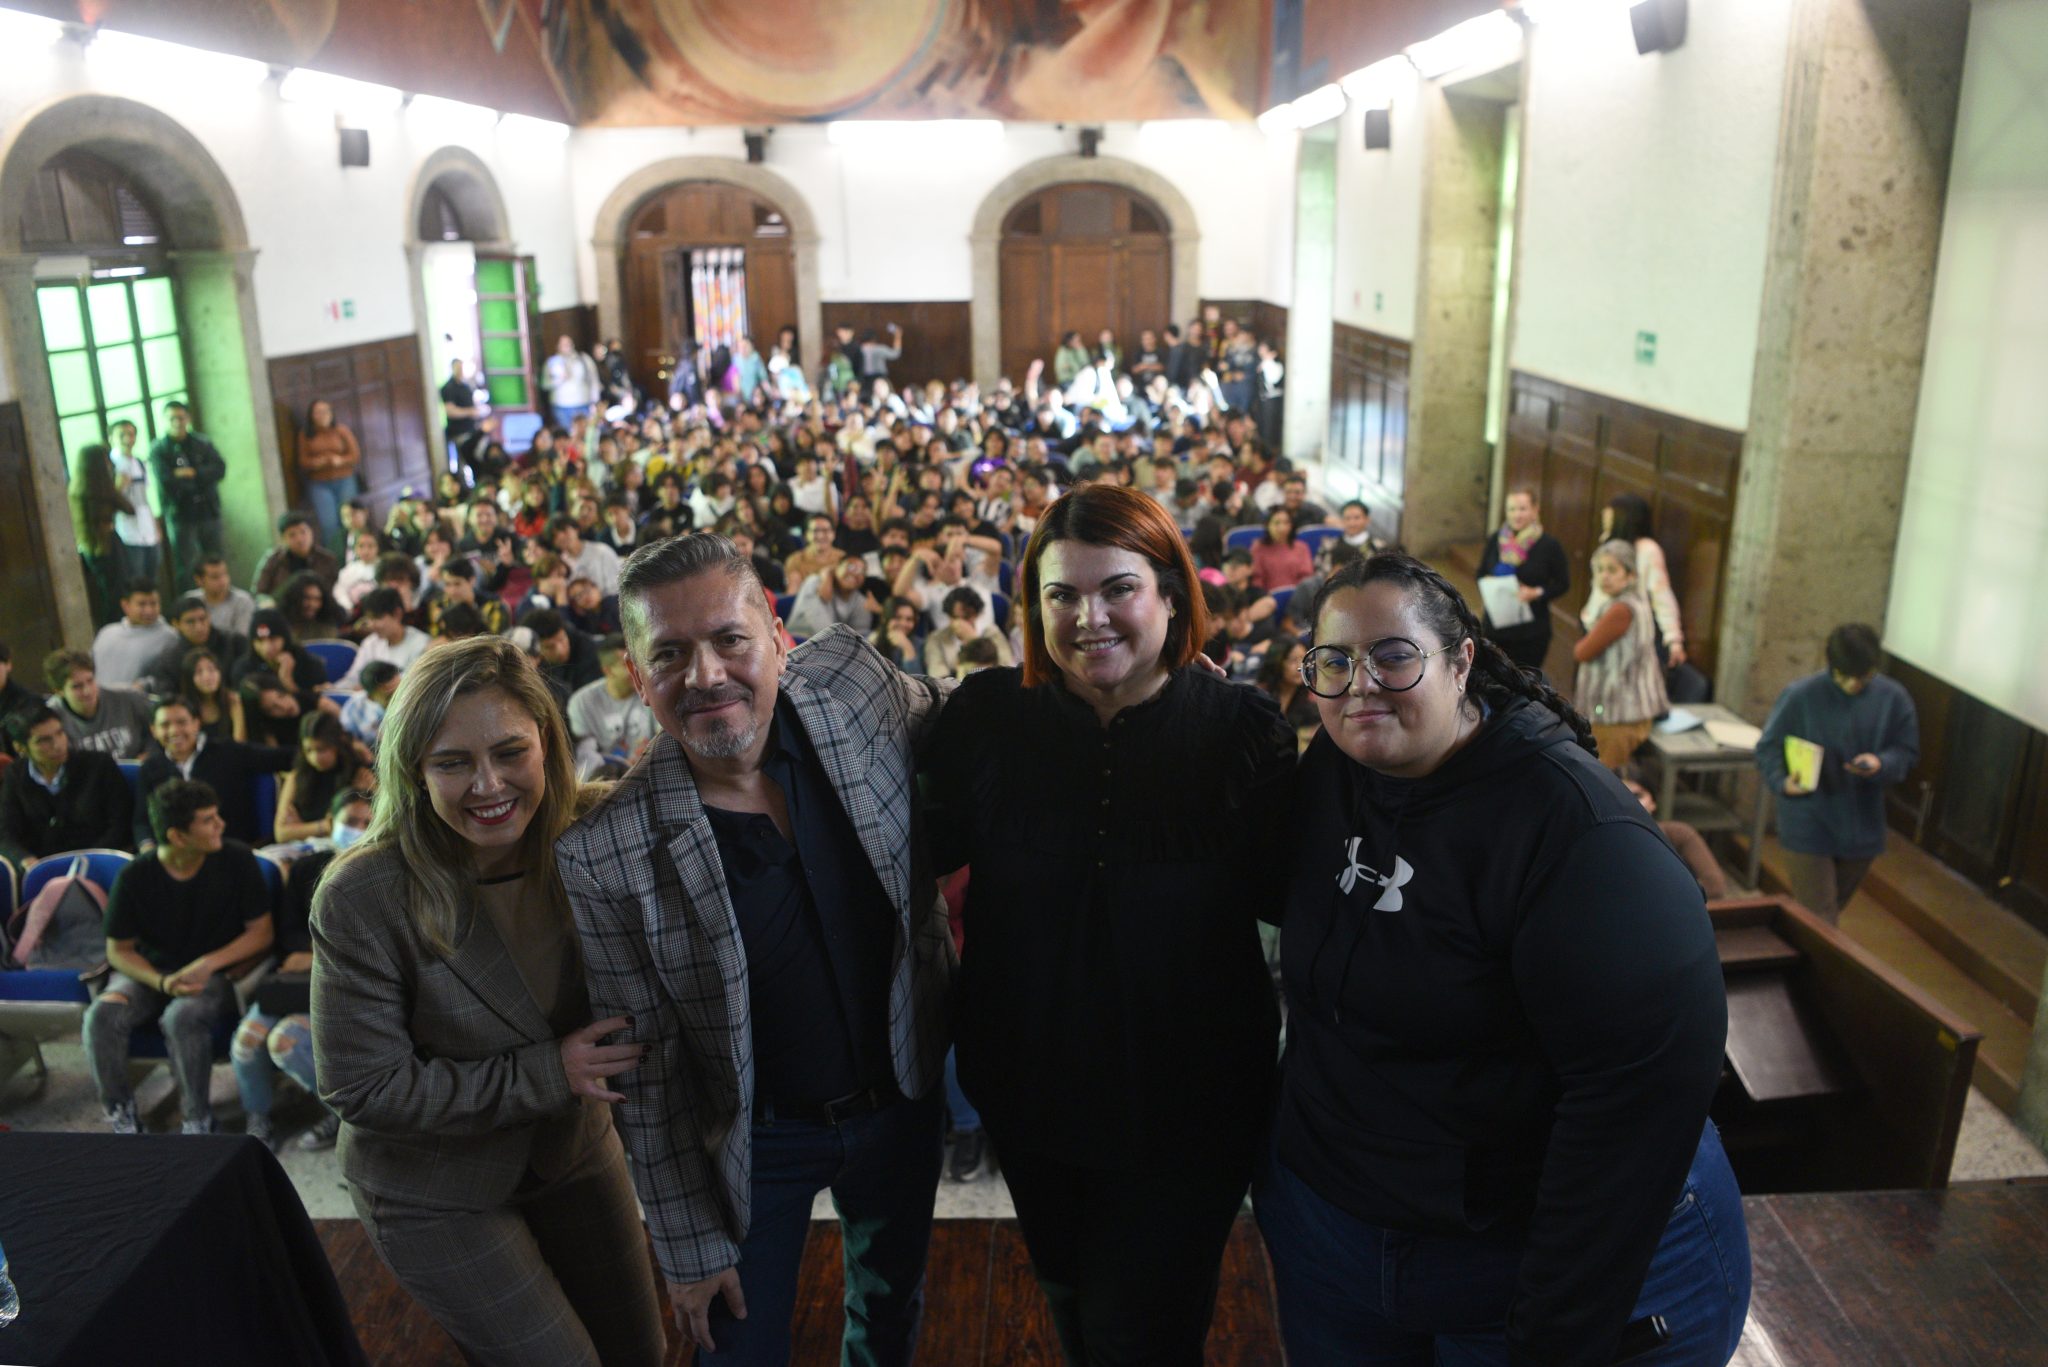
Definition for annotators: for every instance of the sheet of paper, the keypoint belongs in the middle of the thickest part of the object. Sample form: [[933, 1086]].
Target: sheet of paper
[[1504, 605], [1802, 762], [1737, 735], [1677, 720]]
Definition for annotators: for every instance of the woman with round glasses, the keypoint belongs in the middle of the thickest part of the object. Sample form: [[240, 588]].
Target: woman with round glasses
[[1120, 805], [1506, 1022]]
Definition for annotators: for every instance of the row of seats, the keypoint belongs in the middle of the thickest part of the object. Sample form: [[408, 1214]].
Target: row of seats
[[1244, 538]]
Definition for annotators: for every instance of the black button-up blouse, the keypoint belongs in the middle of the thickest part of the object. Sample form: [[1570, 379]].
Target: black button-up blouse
[[1114, 1008]]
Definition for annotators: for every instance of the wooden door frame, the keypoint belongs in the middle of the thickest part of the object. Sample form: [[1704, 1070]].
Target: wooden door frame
[[615, 216], [985, 306]]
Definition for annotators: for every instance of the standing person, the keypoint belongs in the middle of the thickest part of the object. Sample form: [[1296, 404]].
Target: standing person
[[188, 471], [875, 355], [233, 610], [141, 539], [1620, 688], [1117, 1022], [1269, 376], [754, 897], [1542, 574], [452, 1033], [96, 505], [1626, 517], [572, 383], [1869, 735], [1505, 1023], [459, 407], [178, 920], [328, 458]]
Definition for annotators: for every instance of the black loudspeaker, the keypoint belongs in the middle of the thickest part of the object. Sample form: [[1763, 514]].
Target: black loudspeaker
[[1091, 141], [757, 147], [1379, 129], [1659, 25], [355, 147]]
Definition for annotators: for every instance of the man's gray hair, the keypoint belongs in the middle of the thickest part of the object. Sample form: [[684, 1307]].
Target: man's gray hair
[[670, 561]]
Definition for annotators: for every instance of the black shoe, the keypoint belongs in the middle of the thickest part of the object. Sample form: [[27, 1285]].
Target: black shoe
[[969, 1148]]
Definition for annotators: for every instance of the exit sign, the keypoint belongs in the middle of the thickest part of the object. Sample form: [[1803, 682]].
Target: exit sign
[[1646, 348]]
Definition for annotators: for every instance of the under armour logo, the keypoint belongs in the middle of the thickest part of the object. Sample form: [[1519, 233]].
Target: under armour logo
[[1390, 885]]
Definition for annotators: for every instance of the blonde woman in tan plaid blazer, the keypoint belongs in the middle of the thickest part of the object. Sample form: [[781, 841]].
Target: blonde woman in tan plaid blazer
[[455, 1040]]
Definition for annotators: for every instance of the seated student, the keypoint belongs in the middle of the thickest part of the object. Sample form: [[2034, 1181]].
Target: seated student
[[274, 650], [896, 635], [58, 797], [359, 575], [766, 567], [203, 683], [593, 559], [114, 721], [459, 584], [327, 763], [568, 659], [983, 652], [386, 637], [964, 608], [297, 551], [126, 651], [607, 720], [178, 918], [550, 586], [195, 630], [619, 529], [590, 610], [308, 610], [272, 710], [1356, 520], [232, 609], [459, 623], [229, 767], [401, 574], [1690, 844], [362, 716], [276, 1034]]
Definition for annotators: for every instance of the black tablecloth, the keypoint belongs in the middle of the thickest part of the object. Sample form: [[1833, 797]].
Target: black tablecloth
[[163, 1249]]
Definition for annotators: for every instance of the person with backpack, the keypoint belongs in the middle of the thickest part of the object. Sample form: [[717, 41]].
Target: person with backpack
[[56, 797], [178, 919]]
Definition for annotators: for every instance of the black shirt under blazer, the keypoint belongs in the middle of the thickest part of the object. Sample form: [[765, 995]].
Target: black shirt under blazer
[[1115, 1006]]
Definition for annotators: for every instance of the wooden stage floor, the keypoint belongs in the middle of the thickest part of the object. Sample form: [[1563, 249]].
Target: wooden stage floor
[[1881, 1279]]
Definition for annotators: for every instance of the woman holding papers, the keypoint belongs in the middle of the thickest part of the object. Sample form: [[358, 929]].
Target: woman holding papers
[[1533, 561]]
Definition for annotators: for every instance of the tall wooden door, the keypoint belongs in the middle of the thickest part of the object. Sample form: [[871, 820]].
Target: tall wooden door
[[655, 290], [1082, 256]]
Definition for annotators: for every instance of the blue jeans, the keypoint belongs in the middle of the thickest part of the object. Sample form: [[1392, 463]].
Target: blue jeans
[[883, 1171], [1353, 1293], [263, 1046], [326, 496], [566, 414], [960, 1112]]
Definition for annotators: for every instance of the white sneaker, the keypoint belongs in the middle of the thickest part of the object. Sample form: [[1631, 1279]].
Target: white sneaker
[[202, 1126], [121, 1118]]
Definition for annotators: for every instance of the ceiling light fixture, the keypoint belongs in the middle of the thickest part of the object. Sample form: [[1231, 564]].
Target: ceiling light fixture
[[1491, 40]]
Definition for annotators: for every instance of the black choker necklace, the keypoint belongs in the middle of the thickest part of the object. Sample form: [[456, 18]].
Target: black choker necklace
[[501, 878]]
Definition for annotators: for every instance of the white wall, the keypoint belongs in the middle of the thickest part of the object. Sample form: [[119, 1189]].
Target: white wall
[[1966, 602], [323, 233], [1646, 207], [1379, 219], [895, 227]]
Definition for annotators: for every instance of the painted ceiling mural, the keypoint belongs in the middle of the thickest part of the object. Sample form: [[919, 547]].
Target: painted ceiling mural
[[765, 61], [625, 62]]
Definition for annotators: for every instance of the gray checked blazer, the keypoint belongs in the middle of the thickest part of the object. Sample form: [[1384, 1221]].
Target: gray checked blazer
[[447, 1077], [661, 943]]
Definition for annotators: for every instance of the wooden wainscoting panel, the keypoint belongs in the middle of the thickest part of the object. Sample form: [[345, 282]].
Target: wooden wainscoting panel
[[578, 321], [1268, 320], [935, 333], [377, 390], [1369, 419]]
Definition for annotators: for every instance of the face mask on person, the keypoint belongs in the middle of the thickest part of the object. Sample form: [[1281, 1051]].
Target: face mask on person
[[345, 836]]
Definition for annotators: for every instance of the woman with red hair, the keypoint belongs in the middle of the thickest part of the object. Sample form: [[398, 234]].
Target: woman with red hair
[[1117, 1026]]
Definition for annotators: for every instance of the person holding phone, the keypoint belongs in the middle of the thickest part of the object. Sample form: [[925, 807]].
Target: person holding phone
[[452, 1030], [1869, 735]]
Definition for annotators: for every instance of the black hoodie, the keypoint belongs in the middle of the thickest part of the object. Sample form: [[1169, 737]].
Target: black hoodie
[[1507, 1016]]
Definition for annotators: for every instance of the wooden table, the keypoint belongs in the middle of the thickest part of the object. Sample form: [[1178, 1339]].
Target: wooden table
[[1696, 752]]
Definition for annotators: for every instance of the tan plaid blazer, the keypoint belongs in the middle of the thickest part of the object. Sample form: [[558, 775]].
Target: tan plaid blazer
[[447, 1078], [661, 944]]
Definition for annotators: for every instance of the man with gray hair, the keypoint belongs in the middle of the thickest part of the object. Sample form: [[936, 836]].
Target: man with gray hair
[[755, 897]]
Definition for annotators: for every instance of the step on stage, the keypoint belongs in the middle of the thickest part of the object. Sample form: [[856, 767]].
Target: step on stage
[[1860, 1279]]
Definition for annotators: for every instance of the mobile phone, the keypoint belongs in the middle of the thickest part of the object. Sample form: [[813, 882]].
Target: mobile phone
[[1641, 1336]]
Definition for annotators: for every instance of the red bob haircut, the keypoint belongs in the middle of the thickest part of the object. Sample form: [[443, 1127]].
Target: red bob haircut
[[1110, 515]]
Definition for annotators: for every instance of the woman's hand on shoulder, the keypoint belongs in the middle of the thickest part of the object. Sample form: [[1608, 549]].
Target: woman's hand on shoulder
[[587, 1064]]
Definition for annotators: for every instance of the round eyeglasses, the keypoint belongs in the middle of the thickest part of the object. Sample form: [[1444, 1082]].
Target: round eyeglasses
[[1393, 662]]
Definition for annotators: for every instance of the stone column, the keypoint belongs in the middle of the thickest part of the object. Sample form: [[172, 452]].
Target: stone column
[[1305, 392], [24, 329], [1448, 461], [1869, 120], [230, 386]]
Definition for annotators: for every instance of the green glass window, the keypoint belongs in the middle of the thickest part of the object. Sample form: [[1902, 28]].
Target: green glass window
[[114, 353], [507, 313]]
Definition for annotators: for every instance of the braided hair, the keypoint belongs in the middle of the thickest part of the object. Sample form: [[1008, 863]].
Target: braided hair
[[1496, 679]]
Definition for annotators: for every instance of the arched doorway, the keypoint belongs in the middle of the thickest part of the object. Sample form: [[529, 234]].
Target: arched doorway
[[1085, 256], [189, 301], [473, 297], [1107, 189], [613, 242], [705, 264]]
